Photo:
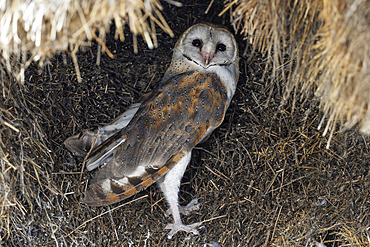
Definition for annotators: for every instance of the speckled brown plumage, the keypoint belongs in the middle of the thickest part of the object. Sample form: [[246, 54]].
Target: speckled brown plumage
[[160, 133]]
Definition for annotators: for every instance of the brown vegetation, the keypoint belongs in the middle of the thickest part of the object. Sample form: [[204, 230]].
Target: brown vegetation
[[265, 176]]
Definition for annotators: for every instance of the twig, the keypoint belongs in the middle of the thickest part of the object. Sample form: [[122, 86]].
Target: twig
[[101, 42], [106, 212], [88, 154]]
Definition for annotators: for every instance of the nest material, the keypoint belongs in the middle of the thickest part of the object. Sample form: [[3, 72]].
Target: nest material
[[265, 175], [35, 30], [316, 45]]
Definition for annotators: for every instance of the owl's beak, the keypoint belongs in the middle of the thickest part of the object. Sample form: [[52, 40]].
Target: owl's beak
[[207, 58]]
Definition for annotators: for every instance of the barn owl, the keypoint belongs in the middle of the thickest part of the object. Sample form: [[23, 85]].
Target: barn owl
[[153, 140]]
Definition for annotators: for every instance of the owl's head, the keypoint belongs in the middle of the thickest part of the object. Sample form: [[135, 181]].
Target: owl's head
[[207, 45]]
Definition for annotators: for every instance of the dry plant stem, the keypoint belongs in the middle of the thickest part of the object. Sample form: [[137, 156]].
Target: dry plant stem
[[88, 153], [101, 42], [42, 29], [312, 42], [209, 7], [106, 212]]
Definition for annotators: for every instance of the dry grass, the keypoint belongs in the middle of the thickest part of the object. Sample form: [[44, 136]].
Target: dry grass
[[35, 30], [265, 175], [320, 46]]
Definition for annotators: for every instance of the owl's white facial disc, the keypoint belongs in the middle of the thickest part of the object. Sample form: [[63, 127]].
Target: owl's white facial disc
[[208, 46]]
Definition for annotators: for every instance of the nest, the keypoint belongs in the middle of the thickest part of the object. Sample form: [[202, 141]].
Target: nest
[[265, 175], [36, 30], [316, 45]]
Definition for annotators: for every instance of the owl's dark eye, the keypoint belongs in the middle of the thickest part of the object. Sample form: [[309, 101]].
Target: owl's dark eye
[[197, 43], [221, 47]]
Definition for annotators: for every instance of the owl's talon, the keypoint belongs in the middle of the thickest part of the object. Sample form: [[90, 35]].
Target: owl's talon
[[192, 206], [181, 227]]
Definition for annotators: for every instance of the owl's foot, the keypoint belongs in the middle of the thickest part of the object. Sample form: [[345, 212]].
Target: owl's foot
[[176, 227], [192, 206]]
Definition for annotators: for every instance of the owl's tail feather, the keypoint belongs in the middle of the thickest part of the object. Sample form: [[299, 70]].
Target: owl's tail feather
[[111, 190]]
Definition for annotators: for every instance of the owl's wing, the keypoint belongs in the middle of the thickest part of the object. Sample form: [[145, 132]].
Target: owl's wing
[[80, 144], [167, 126]]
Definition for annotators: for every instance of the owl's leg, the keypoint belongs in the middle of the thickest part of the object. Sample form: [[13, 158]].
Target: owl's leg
[[170, 185]]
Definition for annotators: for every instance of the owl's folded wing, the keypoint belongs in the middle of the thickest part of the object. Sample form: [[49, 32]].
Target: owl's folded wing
[[167, 126], [80, 144]]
